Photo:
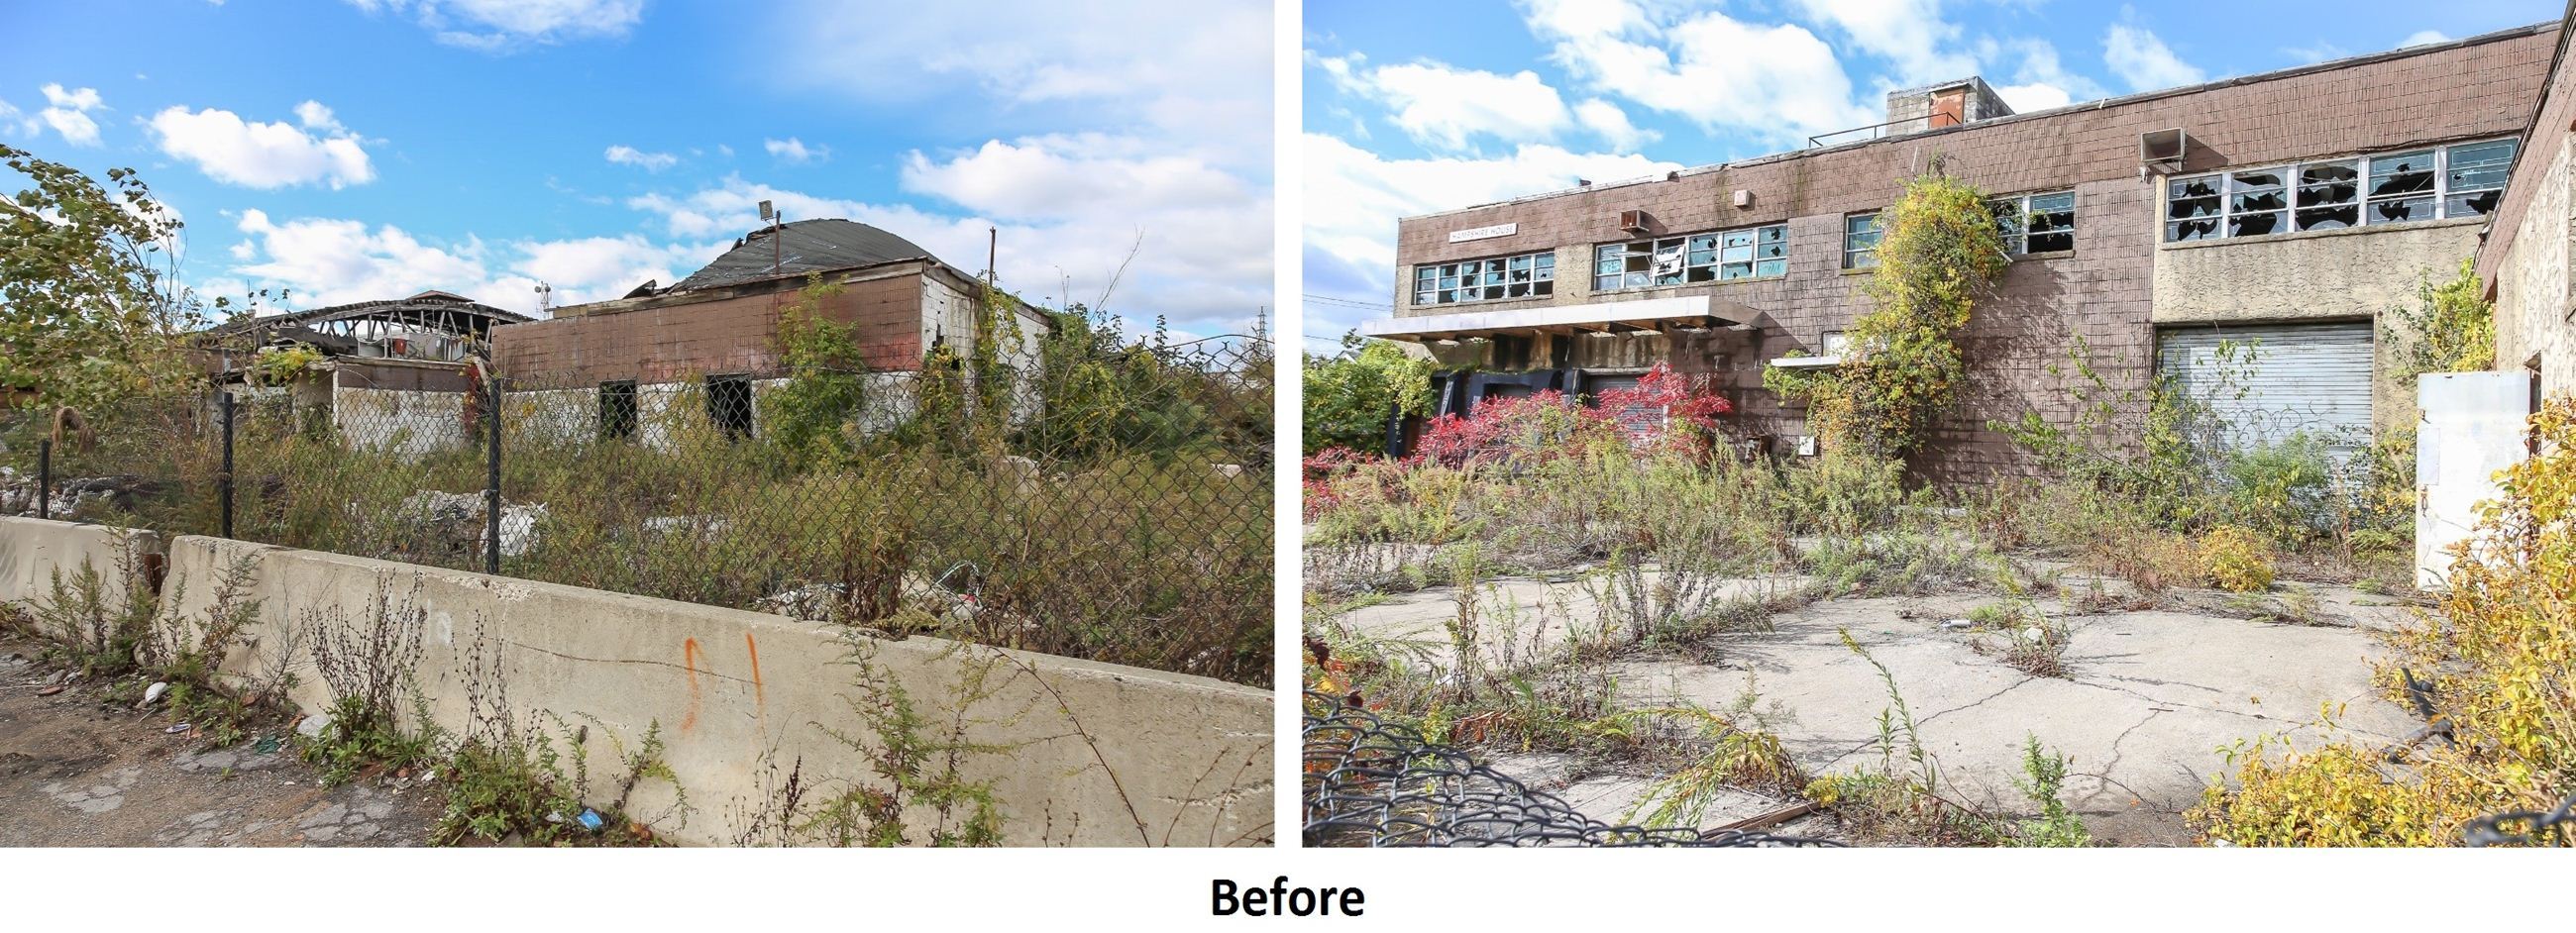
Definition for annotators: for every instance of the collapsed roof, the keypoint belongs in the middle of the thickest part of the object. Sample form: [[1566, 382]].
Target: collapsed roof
[[802, 246], [353, 328]]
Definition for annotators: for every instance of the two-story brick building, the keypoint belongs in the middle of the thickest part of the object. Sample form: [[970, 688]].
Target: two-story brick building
[[2288, 208]]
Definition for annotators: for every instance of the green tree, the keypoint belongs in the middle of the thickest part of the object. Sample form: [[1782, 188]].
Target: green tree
[[2451, 328], [1353, 394], [1941, 253], [818, 411], [91, 307]]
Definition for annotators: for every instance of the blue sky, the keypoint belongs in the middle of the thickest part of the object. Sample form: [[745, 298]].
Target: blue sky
[[1412, 108], [374, 148]]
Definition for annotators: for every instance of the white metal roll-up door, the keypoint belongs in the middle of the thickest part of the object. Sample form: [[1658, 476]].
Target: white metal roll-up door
[[2271, 382]]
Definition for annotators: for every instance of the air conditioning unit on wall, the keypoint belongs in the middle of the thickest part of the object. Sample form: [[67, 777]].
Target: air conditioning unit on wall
[[2163, 151], [1634, 221]]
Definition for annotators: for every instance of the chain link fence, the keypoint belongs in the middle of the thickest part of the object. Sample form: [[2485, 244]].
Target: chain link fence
[[1113, 504], [1369, 782], [2524, 828]]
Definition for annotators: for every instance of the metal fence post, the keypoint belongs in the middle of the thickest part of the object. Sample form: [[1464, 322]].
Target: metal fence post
[[224, 480], [45, 477], [492, 484]]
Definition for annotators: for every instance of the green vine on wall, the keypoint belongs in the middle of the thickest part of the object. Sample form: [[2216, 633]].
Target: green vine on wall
[[1940, 253]]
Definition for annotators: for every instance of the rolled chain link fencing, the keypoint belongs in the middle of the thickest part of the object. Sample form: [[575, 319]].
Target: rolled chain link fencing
[[1112, 504], [1369, 782]]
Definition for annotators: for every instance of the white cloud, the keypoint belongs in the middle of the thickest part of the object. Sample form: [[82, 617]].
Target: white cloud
[[793, 151], [2041, 82], [2142, 60], [262, 155], [1777, 82], [1611, 124], [1443, 106], [1353, 197], [1063, 178], [1195, 74], [1176, 93], [648, 161], [328, 261], [1908, 33], [17, 123], [68, 113], [1207, 263], [2423, 37], [514, 25], [314, 116]]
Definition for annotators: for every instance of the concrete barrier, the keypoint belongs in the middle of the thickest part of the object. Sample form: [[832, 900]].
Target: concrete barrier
[[33, 551], [1080, 753]]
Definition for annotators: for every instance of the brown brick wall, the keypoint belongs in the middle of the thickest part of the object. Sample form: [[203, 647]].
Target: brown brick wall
[[730, 334], [2101, 292]]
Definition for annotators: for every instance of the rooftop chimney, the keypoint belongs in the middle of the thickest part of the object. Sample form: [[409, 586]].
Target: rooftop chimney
[[1947, 104]]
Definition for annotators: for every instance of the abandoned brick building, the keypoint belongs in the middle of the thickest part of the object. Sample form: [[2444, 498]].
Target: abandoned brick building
[[716, 330], [2290, 208], [389, 373]]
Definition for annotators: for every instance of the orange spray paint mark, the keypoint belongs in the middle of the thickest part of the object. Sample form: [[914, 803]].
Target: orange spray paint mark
[[758, 695], [689, 658]]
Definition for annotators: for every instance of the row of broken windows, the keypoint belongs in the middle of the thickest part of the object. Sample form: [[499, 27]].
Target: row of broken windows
[[1722, 256], [1530, 275], [2464, 180]]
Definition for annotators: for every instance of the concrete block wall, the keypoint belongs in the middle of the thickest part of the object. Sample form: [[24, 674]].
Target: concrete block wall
[[743, 697]]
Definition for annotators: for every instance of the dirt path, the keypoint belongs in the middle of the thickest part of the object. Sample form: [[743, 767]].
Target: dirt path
[[75, 771]]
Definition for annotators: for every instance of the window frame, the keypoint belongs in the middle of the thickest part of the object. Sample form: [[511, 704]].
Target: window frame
[[620, 409], [2016, 230], [2298, 212], [1702, 251], [1853, 256], [1540, 266], [736, 422]]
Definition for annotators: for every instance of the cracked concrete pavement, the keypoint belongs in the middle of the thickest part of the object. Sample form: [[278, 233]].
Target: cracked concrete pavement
[[76, 771], [2152, 698]]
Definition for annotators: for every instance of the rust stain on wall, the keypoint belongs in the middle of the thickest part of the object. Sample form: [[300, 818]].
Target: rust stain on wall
[[759, 696], [689, 659]]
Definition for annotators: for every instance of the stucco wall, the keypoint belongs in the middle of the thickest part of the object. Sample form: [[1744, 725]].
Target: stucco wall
[[2531, 281], [742, 698], [2333, 275]]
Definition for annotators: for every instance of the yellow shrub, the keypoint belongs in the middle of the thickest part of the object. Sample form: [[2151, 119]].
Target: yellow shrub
[[2499, 652], [2238, 560]]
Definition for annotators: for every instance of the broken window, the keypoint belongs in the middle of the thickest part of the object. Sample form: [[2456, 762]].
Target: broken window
[[1860, 240], [2463, 180], [2191, 208], [2329, 195], [2257, 203], [2401, 187], [1530, 275], [1721, 256], [729, 405], [2036, 223], [2473, 177], [617, 409]]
